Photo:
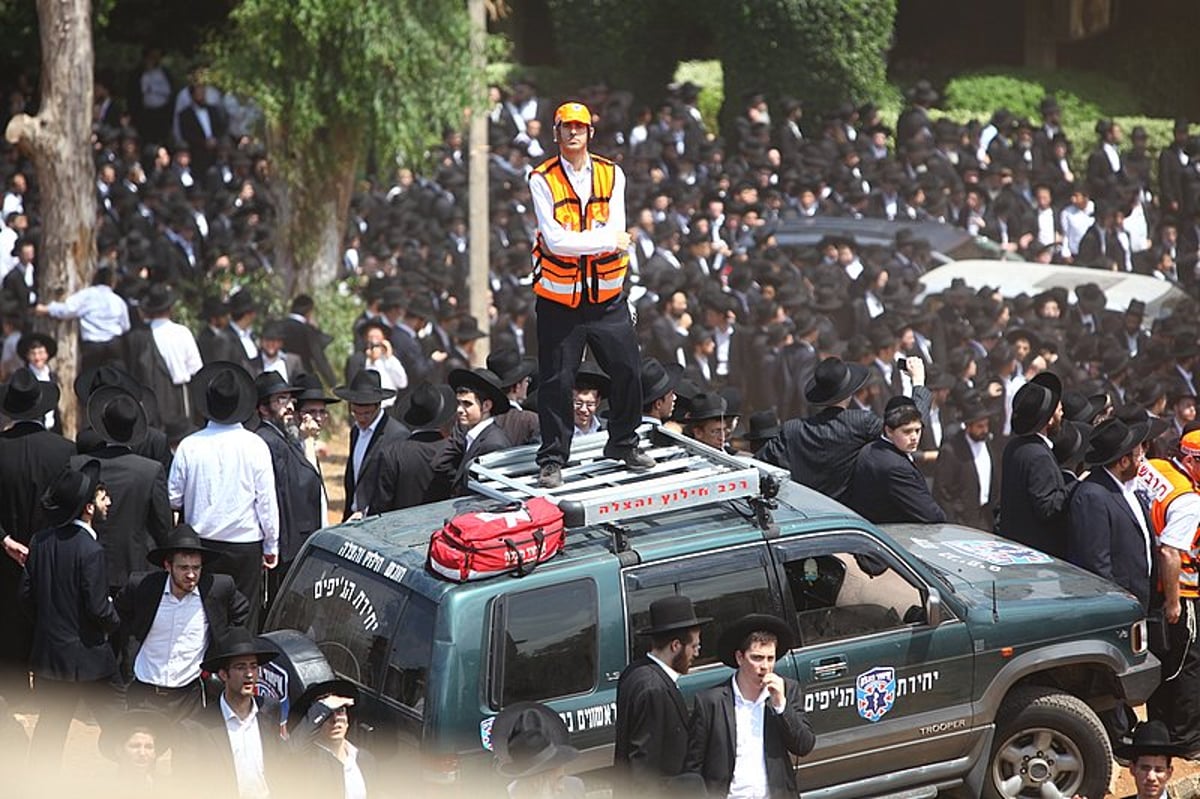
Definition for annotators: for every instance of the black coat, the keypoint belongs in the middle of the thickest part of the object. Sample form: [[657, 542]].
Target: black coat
[[956, 483], [147, 366], [521, 426], [652, 725], [291, 364], [224, 607], [1105, 538], [64, 591], [218, 345], [210, 754], [140, 516], [405, 475], [712, 739], [321, 773], [888, 487], [298, 489], [309, 343], [820, 450], [1033, 496], [456, 458], [387, 430]]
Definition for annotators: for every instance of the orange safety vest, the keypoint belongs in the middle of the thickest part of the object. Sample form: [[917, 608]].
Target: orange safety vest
[[569, 280], [1165, 481]]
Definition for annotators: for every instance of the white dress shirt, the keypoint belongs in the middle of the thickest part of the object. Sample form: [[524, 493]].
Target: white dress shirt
[[278, 364], [982, 459], [363, 442], [178, 348], [561, 241], [223, 479], [1074, 224], [750, 753], [353, 784], [171, 654], [102, 315], [246, 338], [245, 741]]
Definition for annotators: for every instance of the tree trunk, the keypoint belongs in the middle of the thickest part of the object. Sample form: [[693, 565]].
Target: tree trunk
[[312, 197], [59, 140]]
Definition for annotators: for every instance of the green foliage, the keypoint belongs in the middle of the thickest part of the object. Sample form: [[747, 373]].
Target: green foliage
[[709, 76], [1081, 95], [337, 308], [393, 72]]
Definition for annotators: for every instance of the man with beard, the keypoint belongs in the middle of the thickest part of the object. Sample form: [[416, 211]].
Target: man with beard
[[652, 717], [1033, 495]]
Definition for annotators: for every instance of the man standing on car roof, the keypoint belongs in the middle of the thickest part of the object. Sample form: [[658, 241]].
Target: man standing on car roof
[[580, 261]]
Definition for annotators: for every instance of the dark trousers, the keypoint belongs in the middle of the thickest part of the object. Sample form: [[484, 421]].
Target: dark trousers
[[1176, 701], [274, 581], [242, 562], [92, 354], [563, 333], [177, 704], [57, 701]]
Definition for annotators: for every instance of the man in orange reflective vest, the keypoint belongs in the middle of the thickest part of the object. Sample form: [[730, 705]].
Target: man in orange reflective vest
[[1175, 512], [580, 260]]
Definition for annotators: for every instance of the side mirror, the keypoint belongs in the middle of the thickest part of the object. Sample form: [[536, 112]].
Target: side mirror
[[933, 608]]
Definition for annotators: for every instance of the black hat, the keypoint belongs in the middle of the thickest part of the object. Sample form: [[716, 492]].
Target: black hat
[[429, 406], [158, 298], [241, 303], [707, 406], [468, 330], [117, 731], [66, 497], [1070, 442], [26, 397], [530, 738], [1136, 308], [224, 392], [658, 379], [1136, 414], [1149, 738], [365, 389], [117, 416], [1035, 402], [1113, 439], [360, 329], [974, 409], [1090, 297], [337, 686], [182, 539], [1080, 408], [213, 306], [1114, 361], [591, 376], [238, 642], [674, 612], [510, 367], [484, 383], [270, 383], [109, 374], [274, 329], [834, 380], [1015, 334], [763, 425], [733, 635], [31, 340], [311, 389]]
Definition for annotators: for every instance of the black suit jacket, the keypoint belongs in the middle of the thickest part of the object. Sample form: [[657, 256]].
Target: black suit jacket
[[1105, 538], [224, 607], [956, 483], [820, 451], [309, 343], [456, 457], [387, 430], [30, 458], [521, 426], [1033, 496], [652, 724], [147, 366], [140, 516], [209, 752], [406, 476], [712, 739], [888, 487], [291, 362], [297, 490], [218, 345], [64, 591]]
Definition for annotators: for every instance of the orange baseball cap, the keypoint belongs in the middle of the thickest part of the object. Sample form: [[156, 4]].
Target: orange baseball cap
[[1190, 443], [573, 112]]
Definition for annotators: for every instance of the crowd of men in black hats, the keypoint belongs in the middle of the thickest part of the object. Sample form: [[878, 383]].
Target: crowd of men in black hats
[[731, 324]]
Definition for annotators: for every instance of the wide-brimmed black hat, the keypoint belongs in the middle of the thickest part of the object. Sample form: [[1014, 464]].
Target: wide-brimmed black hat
[[515, 756], [510, 367], [1149, 738], [117, 416], [468, 330], [1112, 439], [707, 406], [224, 392], [213, 306], [182, 539], [365, 389], [158, 298], [238, 642], [334, 687], [974, 409], [241, 302], [762, 425], [270, 383], [484, 383], [1070, 441], [311, 390], [25, 397], [834, 380], [658, 380], [1079, 407], [1035, 402], [30, 340], [66, 497], [429, 406], [591, 376], [116, 732], [109, 374], [674, 612], [531, 752], [733, 635]]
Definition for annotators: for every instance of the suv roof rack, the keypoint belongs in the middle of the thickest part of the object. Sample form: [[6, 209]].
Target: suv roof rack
[[598, 490]]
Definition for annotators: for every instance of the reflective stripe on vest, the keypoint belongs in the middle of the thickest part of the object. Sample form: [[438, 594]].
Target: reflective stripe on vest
[[569, 280], [1165, 482]]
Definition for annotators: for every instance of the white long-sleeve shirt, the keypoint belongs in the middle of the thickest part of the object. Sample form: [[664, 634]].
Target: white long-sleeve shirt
[[561, 241], [102, 315]]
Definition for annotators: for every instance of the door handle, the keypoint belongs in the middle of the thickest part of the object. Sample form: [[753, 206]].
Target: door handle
[[829, 668]]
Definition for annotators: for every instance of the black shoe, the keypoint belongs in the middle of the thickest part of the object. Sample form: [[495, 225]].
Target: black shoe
[[550, 476], [634, 459]]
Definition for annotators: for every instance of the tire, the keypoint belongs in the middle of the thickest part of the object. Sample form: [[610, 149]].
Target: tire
[[1044, 735]]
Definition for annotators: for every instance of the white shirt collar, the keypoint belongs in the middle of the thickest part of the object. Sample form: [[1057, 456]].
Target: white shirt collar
[[674, 675], [87, 528], [229, 713]]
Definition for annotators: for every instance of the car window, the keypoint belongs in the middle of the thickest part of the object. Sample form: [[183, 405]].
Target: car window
[[349, 613], [839, 594], [412, 651], [546, 643], [723, 586]]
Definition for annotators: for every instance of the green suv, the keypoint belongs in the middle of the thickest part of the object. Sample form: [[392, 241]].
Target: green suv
[[933, 658]]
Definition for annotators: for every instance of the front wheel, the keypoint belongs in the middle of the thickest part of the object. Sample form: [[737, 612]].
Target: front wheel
[[1047, 738]]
